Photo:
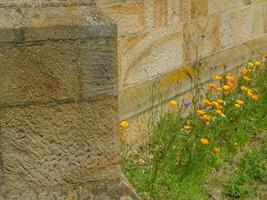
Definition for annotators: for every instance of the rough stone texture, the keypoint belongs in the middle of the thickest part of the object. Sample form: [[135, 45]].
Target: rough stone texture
[[199, 8], [201, 37], [130, 17], [150, 54], [58, 103], [57, 144], [241, 26], [41, 3], [39, 73], [166, 42]]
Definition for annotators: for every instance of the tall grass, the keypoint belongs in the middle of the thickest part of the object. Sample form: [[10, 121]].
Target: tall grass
[[182, 151]]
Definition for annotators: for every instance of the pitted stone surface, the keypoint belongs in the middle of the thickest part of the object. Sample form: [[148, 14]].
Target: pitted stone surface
[[59, 144], [41, 3]]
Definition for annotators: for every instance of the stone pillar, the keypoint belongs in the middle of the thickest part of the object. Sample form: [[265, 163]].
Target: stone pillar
[[58, 102]]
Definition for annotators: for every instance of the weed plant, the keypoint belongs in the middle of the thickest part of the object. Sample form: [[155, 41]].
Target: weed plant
[[182, 151]]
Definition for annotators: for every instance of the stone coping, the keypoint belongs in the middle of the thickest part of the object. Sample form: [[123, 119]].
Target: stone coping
[[53, 23], [43, 3]]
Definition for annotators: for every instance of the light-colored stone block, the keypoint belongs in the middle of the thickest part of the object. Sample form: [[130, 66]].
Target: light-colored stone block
[[220, 7], [199, 8], [129, 17], [241, 26], [178, 11], [160, 12], [147, 55], [201, 37]]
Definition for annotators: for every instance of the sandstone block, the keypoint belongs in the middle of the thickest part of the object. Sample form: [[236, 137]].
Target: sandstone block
[[199, 8], [59, 144], [201, 37], [241, 26], [147, 55], [178, 10], [217, 6], [39, 3], [130, 17], [98, 64], [41, 73]]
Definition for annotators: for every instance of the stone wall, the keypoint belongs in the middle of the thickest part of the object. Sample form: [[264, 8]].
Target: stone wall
[[158, 41], [58, 102]]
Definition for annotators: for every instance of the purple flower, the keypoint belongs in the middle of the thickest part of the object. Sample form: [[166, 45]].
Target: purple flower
[[187, 103], [265, 57]]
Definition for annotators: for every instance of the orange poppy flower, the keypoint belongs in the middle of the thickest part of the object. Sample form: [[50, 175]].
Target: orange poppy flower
[[204, 141], [216, 149]]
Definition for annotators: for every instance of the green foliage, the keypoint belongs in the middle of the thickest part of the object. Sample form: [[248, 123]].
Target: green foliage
[[253, 169], [174, 164]]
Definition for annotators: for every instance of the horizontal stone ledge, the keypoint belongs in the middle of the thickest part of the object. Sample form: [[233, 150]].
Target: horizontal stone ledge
[[136, 99], [112, 190], [59, 33], [42, 3], [56, 23], [55, 102]]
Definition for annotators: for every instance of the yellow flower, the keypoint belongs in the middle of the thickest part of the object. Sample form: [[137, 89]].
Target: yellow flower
[[226, 87], [219, 113], [244, 88], [200, 112], [210, 104], [254, 97], [246, 72], [257, 63], [216, 150], [217, 78], [206, 102], [250, 92], [206, 118], [219, 89], [230, 78], [230, 84], [212, 86], [250, 64], [215, 104], [173, 103], [246, 78], [237, 105], [219, 107], [220, 101], [238, 101], [187, 127], [124, 124], [204, 141]]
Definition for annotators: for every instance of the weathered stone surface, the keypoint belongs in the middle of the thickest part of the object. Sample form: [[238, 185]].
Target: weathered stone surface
[[41, 3], [199, 8], [130, 17], [42, 73], [98, 62], [108, 190], [53, 23], [58, 102], [241, 26], [59, 144], [201, 37], [137, 99], [150, 54], [178, 11], [217, 6], [265, 17]]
